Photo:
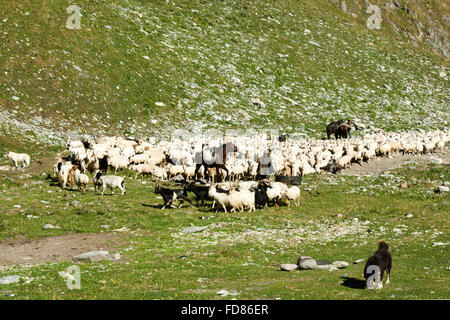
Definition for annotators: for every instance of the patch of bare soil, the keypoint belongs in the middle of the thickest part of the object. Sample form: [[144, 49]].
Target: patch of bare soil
[[40, 165], [55, 249], [378, 165]]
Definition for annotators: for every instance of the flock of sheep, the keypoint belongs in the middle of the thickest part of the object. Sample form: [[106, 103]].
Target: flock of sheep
[[255, 158], [168, 160]]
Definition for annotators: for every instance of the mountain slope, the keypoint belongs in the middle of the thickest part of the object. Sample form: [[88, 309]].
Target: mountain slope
[[148, 67]]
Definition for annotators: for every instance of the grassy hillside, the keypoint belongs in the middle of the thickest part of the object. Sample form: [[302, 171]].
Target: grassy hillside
[[339, 218], [289, 65]]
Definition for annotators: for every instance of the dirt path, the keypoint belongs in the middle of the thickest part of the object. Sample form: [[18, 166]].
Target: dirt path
[[55, 249], [378, 165]]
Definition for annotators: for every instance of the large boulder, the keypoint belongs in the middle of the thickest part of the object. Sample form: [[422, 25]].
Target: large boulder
[[306, 263]]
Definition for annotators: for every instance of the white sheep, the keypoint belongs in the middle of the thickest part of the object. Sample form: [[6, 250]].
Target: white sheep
[[81, 180], [219, 197], [293, 193], [112, 182], [239, 200], [143, 168], [17, 158], [118, 162], [159, 173]]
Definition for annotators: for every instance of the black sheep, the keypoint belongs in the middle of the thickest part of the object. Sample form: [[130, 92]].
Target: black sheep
[[201, 192], [170, 195]]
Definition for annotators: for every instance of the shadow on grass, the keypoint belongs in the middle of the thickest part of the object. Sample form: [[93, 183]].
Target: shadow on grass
[[353, 283], [155, 206]]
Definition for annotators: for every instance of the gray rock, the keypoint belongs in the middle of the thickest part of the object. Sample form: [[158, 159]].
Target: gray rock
[[93, 256], [75, 203], [288, 266], [409, 216], [9, 279], [358, 261], [194, 229], [340, 264], [443, 189], [49, 226], [329, 267], [306, 263]]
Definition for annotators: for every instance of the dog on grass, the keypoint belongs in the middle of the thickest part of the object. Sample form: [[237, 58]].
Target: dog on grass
[[376, 265]]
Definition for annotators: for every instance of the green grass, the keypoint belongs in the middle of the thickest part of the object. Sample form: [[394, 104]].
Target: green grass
[[240, 252], [206, 60]]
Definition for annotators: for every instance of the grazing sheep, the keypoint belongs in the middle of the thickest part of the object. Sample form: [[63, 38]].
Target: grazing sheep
[[293, 193], [384, 149], [118, 162], [188, 172], [170, 195], [139, 159], [201, 192], [273, 191], [63, 174], [239, 200], [174, 170], [221, 198], [81, 179], [160, 173], [112, 182], [142, 169], [96, 179], [17, 158]]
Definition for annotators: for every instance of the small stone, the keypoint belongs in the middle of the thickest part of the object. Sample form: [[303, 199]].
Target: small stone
[[75, 203], [93, 256], [9, 279], [49, 226], [306, 263], [194, 229], [404, 185], [443, 189], [223, 293], [409, 216], [358, 261], [288, 266], [340, 264]]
